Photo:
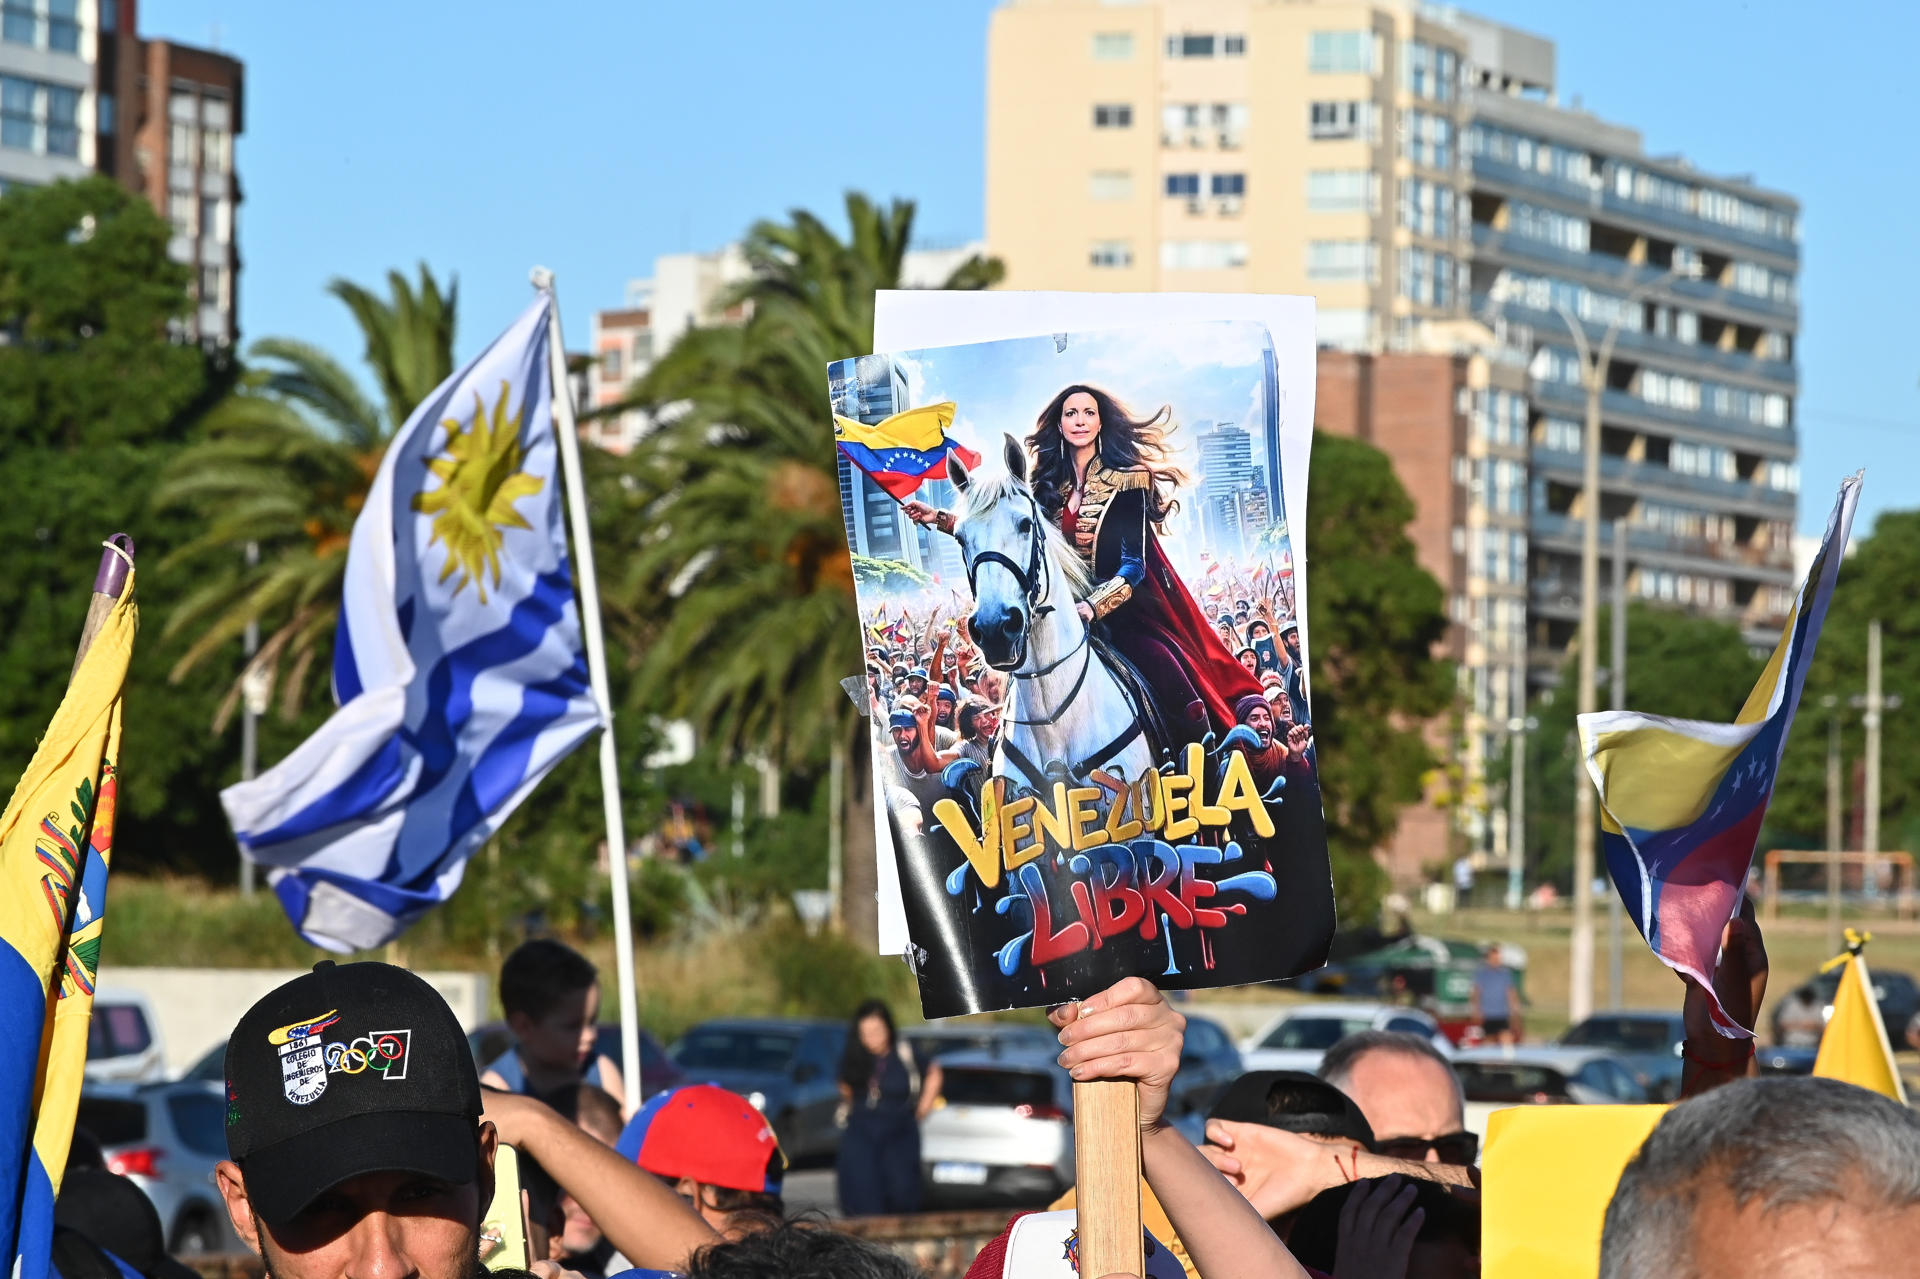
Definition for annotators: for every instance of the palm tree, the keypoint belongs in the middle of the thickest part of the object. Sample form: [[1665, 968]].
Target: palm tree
[[281, 475], [742, 576]]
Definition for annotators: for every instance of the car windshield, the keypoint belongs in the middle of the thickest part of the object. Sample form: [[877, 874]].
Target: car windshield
[[201, 1120], [1314, 1032], [1629, 1034], [1509, 1081], [756, 1050], [112, 1121], [977, 1086]]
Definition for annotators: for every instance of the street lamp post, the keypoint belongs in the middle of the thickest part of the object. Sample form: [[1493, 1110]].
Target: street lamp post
[[1593, 375]]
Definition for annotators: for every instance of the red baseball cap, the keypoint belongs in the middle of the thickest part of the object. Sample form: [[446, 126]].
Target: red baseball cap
[[704, 1132]]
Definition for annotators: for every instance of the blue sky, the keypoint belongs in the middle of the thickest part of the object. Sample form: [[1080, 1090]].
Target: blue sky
[[589, 137]]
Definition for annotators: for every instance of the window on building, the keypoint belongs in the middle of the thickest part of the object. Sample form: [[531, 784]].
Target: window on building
[[1228, 184], [1113, 115], [1233, 46], [1342, 190], [104, 116], [1343, 260], [1427, 140], [1426, 278], [181, 208], [215, 113], [1781, 476], [1428, 72], [1113, 46], [1670, 390], [1549, 226], [1557, 435], [1327, 120], [1708, 460], [610, 364], [183, 107], [19, 24], [1111, 253], [1427, 208], [1202, 255], [1229, 124], [210, 280], [1189, 45], [1183, 185], [63, 120], [63, 24], [1341, 51], [1110, 184]]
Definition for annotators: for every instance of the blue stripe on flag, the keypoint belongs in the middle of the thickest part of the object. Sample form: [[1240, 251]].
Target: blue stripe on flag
[[23, 1012], [366, 789]]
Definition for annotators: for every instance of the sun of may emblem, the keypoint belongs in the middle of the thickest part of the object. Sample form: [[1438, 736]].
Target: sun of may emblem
[[480, 480]]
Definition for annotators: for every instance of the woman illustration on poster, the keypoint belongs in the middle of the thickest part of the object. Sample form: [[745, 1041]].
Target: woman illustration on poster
[[1103, 475]]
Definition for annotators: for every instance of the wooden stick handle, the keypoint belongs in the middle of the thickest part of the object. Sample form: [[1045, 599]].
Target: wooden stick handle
[[1106, 1154], [116, 565]]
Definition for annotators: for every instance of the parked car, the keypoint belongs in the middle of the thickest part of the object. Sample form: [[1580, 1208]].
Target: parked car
[[1005, 1134], [1495, 1078], [1208, 1064], [931, 1043], [1786, 1061], [1299, 1037], [123, 1039], [166, 1139], [1649, 1042], [786, 1068], [1800, 1018], [657, 1069]]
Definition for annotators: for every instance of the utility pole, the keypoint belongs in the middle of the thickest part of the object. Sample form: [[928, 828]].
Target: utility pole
[[1618, 680], [1594, 370], [252, 695], [1870, 820], [1835, 837], [1517, 726]]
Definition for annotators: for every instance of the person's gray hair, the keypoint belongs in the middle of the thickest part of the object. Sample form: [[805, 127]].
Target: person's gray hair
[[1338, 1065], [1783, 1141]]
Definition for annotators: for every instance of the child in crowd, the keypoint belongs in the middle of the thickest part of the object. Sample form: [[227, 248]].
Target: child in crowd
[[551, 994], [716, 1151], [580, 1245]]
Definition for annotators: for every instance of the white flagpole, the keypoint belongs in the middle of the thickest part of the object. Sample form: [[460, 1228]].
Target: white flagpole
[[568, 437]]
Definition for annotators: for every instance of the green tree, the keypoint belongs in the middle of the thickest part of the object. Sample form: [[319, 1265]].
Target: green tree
[[1877, 580], [742, 502], [95, 400], [1678, 664], [1374, 618], [284, 466]]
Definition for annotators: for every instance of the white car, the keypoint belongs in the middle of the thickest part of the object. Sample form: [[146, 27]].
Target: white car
[[1004, 1135], [123, 1039], [1496, 1078], [1299, 1037]]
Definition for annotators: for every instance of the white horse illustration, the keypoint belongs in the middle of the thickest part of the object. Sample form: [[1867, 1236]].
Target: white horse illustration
[[1065, 707]]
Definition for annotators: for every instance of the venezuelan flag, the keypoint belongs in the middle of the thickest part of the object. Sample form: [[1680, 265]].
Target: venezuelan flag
[[899, 453], [56, 840], [1681, 801]]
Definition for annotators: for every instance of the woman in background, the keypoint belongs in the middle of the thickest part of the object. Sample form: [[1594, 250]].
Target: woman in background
[[884, 1098]]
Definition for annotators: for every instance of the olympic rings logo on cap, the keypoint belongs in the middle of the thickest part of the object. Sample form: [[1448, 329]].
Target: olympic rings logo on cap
[[381, 1051]]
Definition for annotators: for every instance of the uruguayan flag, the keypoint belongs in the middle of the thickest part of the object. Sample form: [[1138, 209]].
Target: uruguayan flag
[[457, 666]]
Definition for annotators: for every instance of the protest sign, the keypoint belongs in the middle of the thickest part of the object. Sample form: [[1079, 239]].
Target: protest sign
[[1080, 585]]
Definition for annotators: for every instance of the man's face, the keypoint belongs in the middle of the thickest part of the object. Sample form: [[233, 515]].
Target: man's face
[[1282, 715], [1292, 641], [579, 1235], [1260, 720], [373, 1226], [1835, 1240], [1250, 660], [986, 724], [916, 685], [1404, 1095], [943, 713], [904, 739]]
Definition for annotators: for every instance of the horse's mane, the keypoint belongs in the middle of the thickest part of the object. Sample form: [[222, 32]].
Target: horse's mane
[[983, 493]]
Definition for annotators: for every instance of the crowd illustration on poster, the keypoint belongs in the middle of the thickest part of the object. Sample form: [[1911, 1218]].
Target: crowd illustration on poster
[[1085, 670]]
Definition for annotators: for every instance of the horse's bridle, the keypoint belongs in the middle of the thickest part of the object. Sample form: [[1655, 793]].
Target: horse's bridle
[[1035, 582]]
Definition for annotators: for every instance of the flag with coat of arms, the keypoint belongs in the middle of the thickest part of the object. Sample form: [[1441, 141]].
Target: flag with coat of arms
[[458, 663]]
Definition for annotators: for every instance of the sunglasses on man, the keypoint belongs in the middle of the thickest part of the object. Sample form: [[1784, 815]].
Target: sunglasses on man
[[1457, 1148]]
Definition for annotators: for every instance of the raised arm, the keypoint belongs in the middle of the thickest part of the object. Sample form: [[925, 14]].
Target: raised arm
[[1128, 1031], [1711, 1058], [647, 1222]]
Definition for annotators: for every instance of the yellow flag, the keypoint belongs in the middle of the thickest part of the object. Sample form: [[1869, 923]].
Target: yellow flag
[[922, 429], [1546, 1177], [56, 839], [1854, 1048]]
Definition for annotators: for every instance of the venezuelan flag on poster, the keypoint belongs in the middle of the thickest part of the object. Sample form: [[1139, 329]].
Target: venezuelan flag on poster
[[56, 838], [902, 452], [1681, 801]]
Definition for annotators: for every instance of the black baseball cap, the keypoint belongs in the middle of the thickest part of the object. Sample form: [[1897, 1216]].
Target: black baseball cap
[[111, 1212], [1294, 1101], [346, 1070]]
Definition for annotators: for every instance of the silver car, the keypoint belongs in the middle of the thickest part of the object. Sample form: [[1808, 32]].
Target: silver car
[[1004, 1134], [166, 1139]]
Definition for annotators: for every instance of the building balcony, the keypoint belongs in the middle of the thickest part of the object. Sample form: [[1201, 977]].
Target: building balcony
[[1621, 409], [1598, 199], [1557, 531], [1741, 497]]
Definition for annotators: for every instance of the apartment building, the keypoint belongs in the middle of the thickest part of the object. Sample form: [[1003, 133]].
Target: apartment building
[[81, 92], [1411, 168]]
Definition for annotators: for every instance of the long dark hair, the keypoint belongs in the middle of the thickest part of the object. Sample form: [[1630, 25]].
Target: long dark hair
[[1126, 443], [856, 1063]]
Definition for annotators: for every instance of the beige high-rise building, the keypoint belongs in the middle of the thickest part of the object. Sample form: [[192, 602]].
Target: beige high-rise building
[[1232, 145]]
